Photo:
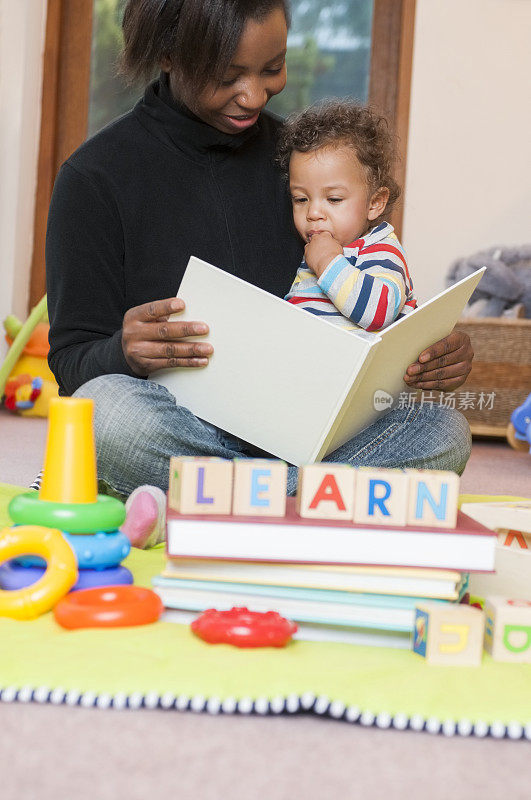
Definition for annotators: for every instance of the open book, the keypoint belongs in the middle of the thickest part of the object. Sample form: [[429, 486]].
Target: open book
[[288, 382]]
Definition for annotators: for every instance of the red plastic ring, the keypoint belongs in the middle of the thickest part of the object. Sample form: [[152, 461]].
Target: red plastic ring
[[243, 628], [108, 607]]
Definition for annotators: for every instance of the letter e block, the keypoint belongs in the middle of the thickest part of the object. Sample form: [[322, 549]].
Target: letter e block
[[381, 496], [449, 634], [259, 487], [433, 495], [508, 629], [326, 491], [200, 485]]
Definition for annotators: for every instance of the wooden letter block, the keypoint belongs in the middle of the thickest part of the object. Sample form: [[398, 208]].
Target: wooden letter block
[[326, 491], [446, 633], [508, 629], [259, 487], [433, 497], [200, 485], [381, 496]]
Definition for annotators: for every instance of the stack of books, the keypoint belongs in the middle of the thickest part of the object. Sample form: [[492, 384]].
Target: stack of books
[[340, 581]]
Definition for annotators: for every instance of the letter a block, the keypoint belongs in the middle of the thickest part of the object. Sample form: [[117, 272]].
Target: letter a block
[[445, 633], [433, 495], [508, 629], [259, 487], [381, 496], [200, 485], [326, 491]]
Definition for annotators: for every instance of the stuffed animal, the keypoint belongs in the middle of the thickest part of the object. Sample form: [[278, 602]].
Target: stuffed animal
[[505, 289], [26, 381]]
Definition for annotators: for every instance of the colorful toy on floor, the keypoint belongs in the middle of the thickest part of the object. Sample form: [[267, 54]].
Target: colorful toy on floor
[[60, 575], [68, 500], [109, 607], [26, 381], [519, 428], [243, 628]]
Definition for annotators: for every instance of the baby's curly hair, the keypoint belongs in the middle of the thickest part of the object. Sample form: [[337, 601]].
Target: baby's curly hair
[[336, 123]]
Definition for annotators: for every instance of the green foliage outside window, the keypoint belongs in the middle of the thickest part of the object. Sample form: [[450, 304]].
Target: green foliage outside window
[[328, 56]]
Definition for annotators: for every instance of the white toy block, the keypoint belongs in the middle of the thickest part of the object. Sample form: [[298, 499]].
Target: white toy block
[[516, 539], [259, 487], [433, 496], [381, 496], [200, 485], [449, 634], [508, 629], [326, 491]]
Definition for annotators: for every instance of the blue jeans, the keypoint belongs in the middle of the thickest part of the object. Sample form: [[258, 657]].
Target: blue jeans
[[138, 426]]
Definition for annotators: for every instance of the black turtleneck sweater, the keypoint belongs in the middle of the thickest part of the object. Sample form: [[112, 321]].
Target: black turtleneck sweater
[[134, 202]]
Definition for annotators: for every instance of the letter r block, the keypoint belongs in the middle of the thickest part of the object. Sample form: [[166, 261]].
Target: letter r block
[[200, 485], [381, 496], [259, 487], [448, 633], [508, 629]]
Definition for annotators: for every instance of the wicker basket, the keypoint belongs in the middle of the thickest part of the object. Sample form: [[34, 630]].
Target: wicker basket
[[501, 372]]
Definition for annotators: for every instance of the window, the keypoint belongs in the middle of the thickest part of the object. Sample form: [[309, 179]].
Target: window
[[329, 53]]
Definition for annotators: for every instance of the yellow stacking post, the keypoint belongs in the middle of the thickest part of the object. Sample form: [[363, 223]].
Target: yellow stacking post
[[70, 459]]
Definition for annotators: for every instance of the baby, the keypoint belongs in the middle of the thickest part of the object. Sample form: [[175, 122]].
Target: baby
[[338, 157]]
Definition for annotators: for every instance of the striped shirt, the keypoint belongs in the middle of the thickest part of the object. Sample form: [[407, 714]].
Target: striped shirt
[[368, 287]]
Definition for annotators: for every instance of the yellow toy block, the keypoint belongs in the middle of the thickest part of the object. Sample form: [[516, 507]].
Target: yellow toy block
[[259, 487], [508, 629], [200, 485], [381, 496], [433, 495], [449, 634], [326, 491]]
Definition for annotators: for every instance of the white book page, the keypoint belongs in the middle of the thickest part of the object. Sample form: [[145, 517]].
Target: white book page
[[278, 375], [399, 346]]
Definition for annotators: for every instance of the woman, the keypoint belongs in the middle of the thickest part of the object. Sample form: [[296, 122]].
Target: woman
[[190, 171]]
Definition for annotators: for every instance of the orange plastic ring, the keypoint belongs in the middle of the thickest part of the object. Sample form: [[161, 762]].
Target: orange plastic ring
[[108, 607]]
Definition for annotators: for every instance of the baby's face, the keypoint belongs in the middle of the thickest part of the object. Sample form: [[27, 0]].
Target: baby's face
[[329, 193]]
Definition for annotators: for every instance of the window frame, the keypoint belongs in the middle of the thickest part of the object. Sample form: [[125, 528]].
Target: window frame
[[66, 95]]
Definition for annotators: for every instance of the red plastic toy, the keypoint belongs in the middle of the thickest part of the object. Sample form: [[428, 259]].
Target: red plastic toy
[[108, 607], [244, 628]]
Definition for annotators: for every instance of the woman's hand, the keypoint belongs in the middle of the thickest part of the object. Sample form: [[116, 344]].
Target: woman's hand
[[444, 365], [151, 342]]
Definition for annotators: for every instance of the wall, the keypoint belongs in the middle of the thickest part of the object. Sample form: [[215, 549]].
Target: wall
[[468, 181], [22, 29]]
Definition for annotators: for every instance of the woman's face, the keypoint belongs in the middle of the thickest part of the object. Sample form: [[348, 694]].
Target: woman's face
[[256, 73]]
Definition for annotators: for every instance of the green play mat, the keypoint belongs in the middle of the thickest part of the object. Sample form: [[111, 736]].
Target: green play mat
[[165, 666]]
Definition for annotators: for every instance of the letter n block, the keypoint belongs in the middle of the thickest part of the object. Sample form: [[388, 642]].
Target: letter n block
[[259, 487], [200, 485], [433, 495], [508, 629], [381, 496], [448, 633], [326, 491]]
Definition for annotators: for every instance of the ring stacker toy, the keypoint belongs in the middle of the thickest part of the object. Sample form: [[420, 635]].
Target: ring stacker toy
[[59, 577], [14, 576], [109, 607], [68, 498], [243, 628]]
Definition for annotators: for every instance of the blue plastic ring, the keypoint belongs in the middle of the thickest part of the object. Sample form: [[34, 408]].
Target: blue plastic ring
[[93, 551]]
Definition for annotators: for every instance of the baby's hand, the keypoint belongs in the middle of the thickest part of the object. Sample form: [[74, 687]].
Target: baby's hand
[[320, 251]]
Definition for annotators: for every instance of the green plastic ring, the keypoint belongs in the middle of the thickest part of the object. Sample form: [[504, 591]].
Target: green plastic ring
[[106, 514]]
